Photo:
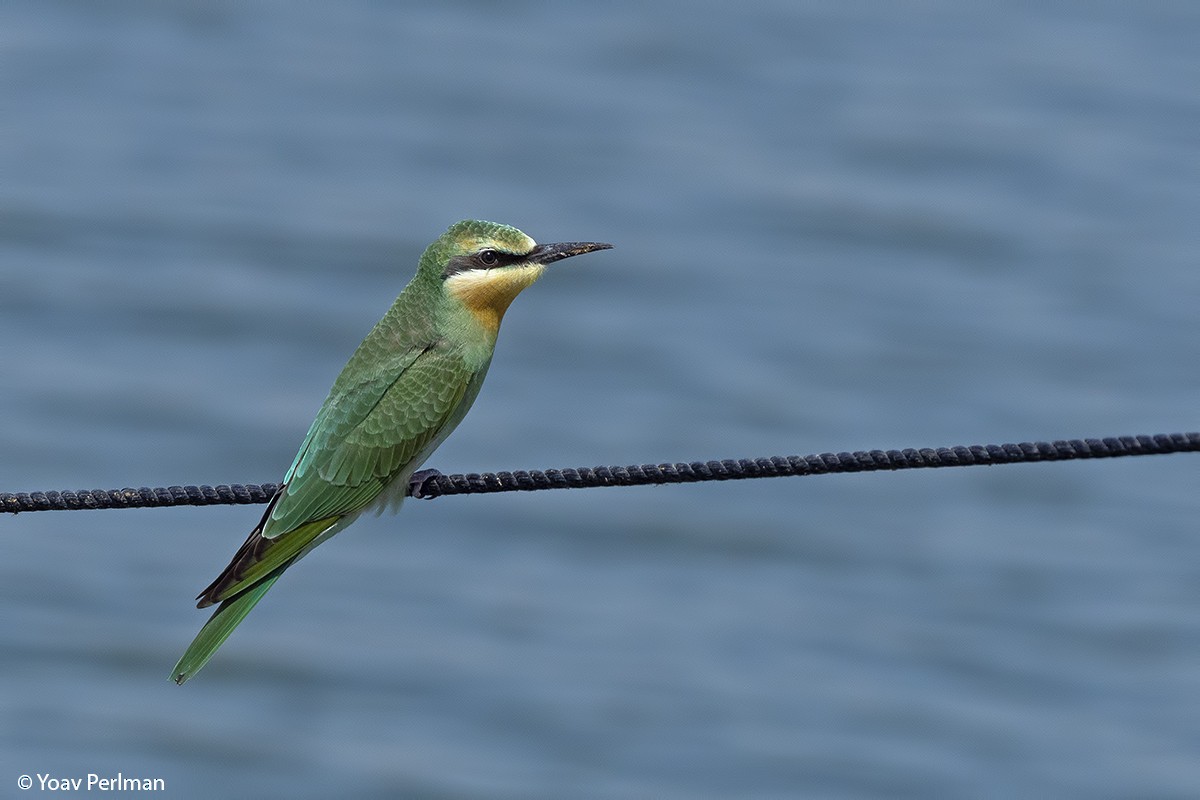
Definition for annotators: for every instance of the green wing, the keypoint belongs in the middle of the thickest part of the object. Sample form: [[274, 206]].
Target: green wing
[[369, 433], [355, 396], [365, 438]]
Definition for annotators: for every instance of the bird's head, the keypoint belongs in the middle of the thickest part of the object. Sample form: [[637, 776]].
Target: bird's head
[[485, 265]]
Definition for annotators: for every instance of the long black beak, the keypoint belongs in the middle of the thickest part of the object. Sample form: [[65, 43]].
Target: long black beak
[[549, 253]]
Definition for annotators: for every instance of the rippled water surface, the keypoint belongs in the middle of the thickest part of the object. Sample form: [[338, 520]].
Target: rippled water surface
[[837, 228]]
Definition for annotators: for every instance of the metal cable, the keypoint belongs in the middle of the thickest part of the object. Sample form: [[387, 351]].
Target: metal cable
[[428, 484]]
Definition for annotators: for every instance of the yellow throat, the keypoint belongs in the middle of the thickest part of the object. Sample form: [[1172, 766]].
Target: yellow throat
[[488, 293]]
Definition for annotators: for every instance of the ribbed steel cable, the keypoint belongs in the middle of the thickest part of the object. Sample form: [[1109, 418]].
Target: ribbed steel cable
[[430, 483]]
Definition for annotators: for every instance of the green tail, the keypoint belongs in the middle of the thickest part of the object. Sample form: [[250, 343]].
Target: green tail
[[220, 625]]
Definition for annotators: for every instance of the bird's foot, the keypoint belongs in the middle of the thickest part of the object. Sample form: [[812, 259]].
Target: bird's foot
[[418, 481]]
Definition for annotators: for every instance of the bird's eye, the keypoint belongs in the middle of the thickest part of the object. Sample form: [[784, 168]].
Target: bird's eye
[[488, 258]]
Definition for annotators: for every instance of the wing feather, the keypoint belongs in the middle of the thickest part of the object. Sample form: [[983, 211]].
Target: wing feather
[[365, 437], [364, 447]]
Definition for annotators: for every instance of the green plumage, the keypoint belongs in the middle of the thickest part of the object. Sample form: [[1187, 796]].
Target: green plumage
[[219, 626], [403, 391]]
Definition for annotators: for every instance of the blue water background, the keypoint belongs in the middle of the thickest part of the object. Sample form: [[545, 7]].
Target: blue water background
[[838, 227]]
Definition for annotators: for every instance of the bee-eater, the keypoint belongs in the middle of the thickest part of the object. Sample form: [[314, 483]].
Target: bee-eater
[[403, 391]]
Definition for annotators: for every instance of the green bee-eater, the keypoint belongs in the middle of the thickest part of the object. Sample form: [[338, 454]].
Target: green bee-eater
[[403, 391]]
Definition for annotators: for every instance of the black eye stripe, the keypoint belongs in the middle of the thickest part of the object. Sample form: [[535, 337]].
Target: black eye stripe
[[488, 258]]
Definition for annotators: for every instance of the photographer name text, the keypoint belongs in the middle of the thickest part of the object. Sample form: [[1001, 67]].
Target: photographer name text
[[91, 783]]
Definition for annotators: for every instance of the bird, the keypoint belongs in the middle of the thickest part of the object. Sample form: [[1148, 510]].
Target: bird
[[405, 388]]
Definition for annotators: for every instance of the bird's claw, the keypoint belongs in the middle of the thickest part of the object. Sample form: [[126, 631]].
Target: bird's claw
[[418, 481]]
